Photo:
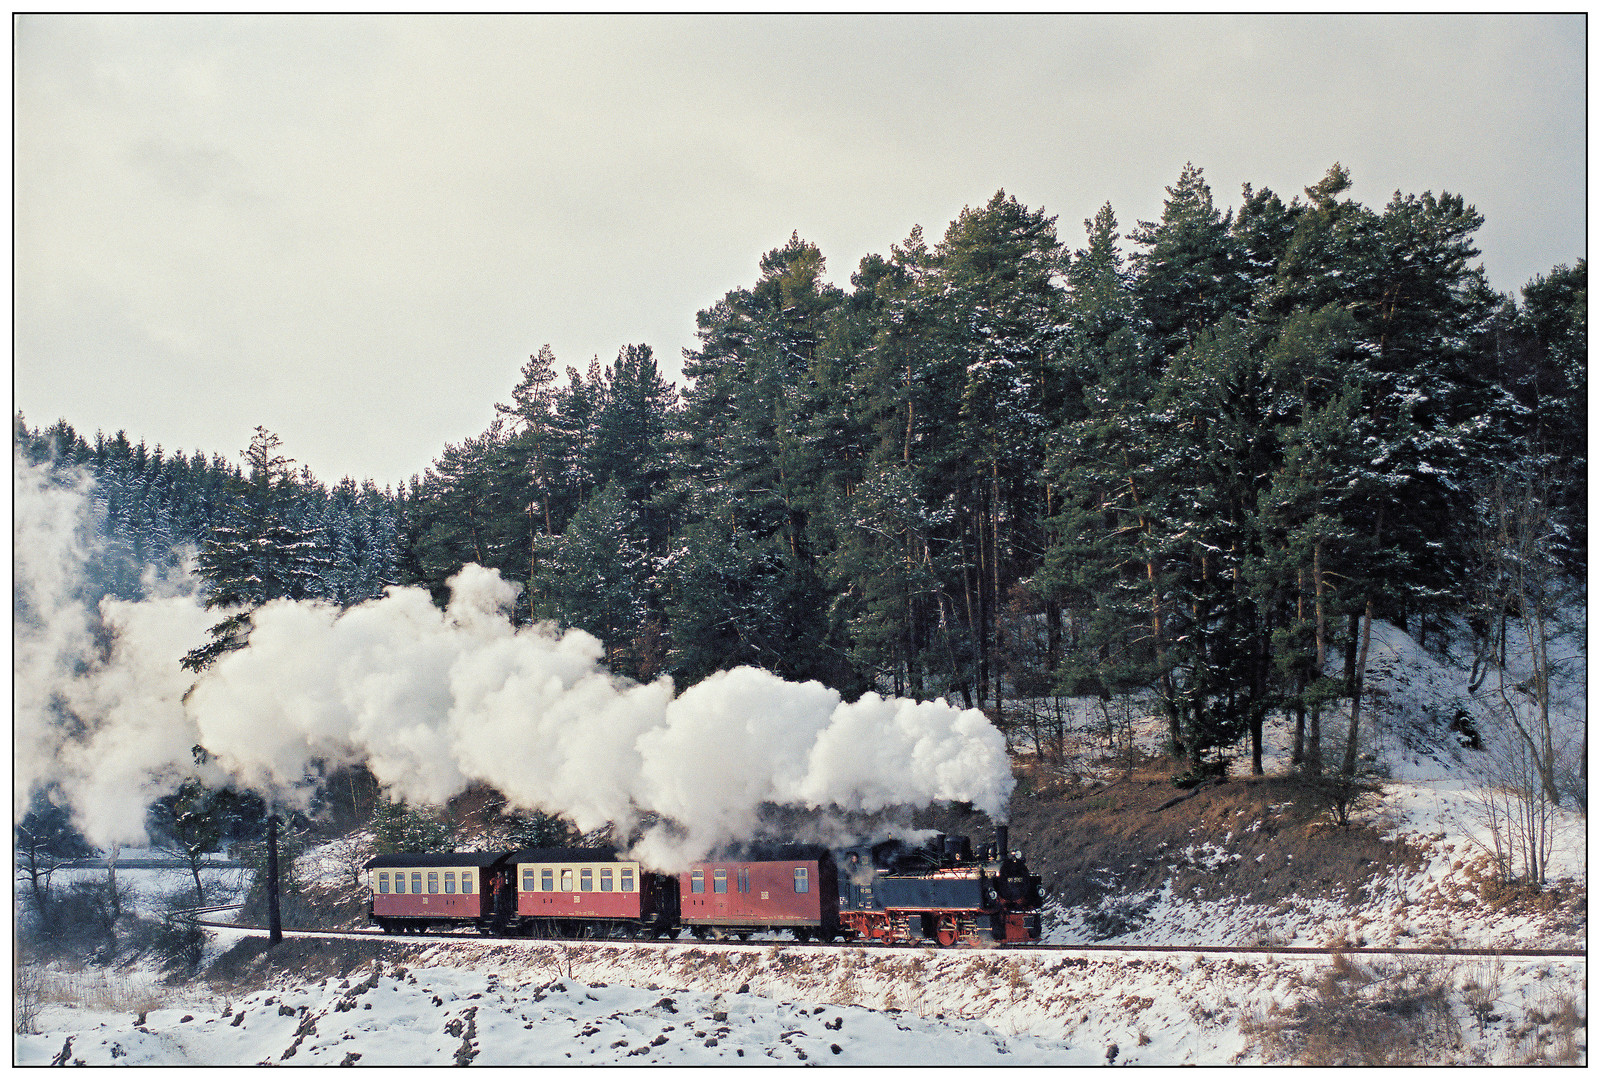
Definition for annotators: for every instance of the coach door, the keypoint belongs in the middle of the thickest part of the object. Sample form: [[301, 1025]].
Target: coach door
[[664, 897]]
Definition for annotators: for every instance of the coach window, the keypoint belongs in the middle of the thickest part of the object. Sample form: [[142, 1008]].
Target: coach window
[[719, 881], [466, 881], [802, 879], [744, 879], [566, 881], [697, 881], [399, 883], [416, 882], [605, 879], [586, 880], [450, 882], [547, 880], [383, 883], [627, 879], [528, 882], [433, 881]]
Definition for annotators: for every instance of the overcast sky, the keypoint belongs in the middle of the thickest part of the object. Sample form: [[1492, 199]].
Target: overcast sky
[[354, 231]]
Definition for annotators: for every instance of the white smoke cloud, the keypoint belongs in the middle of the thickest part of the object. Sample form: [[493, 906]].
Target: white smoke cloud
[[433, 701], [50, 535], [139, 741], [98, 716], [745, 737]]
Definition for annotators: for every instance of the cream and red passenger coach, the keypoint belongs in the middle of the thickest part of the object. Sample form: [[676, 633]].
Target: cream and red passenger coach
[[546, 891], [423, 892], [572, 889]]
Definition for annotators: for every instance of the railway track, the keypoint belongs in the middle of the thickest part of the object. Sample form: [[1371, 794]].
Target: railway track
[[193, 915]]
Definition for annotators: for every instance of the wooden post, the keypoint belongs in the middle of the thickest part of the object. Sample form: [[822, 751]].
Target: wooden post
[[274, 919]]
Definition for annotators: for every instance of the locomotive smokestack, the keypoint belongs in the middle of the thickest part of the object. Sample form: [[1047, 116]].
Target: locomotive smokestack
[[1002, 834]]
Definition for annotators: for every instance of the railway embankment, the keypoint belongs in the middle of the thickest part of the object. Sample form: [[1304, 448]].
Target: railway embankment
[[537, 1002]]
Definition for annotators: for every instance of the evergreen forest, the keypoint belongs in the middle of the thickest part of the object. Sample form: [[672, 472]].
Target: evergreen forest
[[1180, 467]]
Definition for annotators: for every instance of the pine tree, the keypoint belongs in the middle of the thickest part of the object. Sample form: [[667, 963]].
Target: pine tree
[[1307, 543], [598, 576], [1101, 564], [630, 432], [538, 440], [739, 480], [894, 564], [1191, 271], [1546, 374], [258, 555], [474, 505], [1214, 446]]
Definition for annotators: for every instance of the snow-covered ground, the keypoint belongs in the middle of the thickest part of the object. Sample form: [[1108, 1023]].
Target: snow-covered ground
[[538, 1003], [689, 1003]]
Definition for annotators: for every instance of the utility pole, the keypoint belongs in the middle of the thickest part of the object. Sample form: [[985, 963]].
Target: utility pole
[[274, 919]]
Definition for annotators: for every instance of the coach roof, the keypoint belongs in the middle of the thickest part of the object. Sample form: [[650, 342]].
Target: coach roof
[[565, 855], [479, 859], [760, 852]]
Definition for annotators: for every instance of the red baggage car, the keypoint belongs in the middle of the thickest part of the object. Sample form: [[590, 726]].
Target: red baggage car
[[792, 887]]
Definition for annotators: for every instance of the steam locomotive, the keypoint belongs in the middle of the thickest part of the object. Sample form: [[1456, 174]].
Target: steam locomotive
[[889, 892]]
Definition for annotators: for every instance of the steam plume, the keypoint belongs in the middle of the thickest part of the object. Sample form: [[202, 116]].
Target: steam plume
[[432, 701]]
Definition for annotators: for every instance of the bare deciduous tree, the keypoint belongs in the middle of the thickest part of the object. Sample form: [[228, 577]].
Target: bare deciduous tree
[[1522, 587]]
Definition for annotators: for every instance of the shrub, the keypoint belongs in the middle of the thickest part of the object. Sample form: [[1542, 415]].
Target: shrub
[[28, 987], [1203, 773], [1352, 1016]]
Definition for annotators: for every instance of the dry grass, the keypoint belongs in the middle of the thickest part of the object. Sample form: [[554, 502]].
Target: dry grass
[[1520, 897], [1260, 839], [253, 965], [1553, 1032], [1354, 1015], [1480, 991], [102, 991]]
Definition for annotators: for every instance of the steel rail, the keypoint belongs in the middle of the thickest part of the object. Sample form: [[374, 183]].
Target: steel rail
[[1267, 950]]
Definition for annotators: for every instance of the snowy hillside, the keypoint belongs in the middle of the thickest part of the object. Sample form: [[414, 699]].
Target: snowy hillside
[[1429, 801]]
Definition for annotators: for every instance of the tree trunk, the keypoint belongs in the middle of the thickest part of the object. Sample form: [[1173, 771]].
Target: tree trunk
[[975, 600], [1352, 641], [1538, 647], [994, 607], [1361, 668], [1257, 706], [1169, 703], [1349, 768], [115, 898], [1313, 758]]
